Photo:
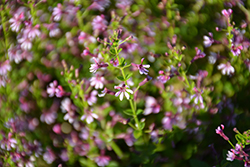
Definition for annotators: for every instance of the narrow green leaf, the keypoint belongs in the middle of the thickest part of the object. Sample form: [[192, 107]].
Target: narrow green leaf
[[128, 76], [128, 112], [139, 111], [141, 125], [120, 78], [137, 134]]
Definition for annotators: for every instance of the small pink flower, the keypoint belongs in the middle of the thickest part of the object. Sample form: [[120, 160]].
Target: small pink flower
[[102, 160], [123, 90], [230, 156], [164, 77], [25, 43], [59, 91], [97, 81], [151, 106], [57, 12], [91, 98], [51, 89], [15, 53], [48, 117], [16, 21], [199, 55], [49, 156], [197, 96], [99, 24], [5, 67], [227, 13], [53, 29], [219, 131], [94, 67], [85, 39], [89, 116], [226, 68], [208, 40], [236, 50], [32, 32], [142, 68]]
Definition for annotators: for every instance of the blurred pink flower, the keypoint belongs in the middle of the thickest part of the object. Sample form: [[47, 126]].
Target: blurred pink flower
[[57, 12], [142, 68], [152, 106], [226, 68], [97, 81], [16, 21]]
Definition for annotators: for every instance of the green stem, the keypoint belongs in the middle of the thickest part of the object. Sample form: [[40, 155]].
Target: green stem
[[4, 30], [231, 143], [116, 149], [134, 115]]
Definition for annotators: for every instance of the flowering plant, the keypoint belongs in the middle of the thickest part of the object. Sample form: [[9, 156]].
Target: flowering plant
[[123, 83]]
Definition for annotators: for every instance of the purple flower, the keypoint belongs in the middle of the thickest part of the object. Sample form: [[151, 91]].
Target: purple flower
[[89, 116], [99, 5], [123, 90], [151, 106], [49, 156], [97, 81], [142, 68], [102, 160], [57, 12], [16, 21], [226, 68], [198, 55]]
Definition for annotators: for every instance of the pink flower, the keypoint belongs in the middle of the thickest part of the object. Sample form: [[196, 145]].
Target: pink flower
[[57, 12], [151, 106], [5, 67], [227, 13], [197, 96], [32, 32], [53, 29], [97, 81], [91, 98], [51, 90], [142, 68], [123, 90], [226, 68], [219, 131], [85, 38], [59, 91], [25, 43], [102, 160], [208, 40], [94, 67], [49, 156], [99, 24], [236, 50], [164, 77], [14, 53], [89, 116], [48, 117], [198, 55], [230, 156], [16, 21]]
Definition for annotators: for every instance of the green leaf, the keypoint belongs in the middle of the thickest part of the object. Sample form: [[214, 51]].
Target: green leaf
[[120, 78], [123, 62], [128, 112], [139, 111], [137, 134], [119, 50], [141, 125], [128, 76]]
